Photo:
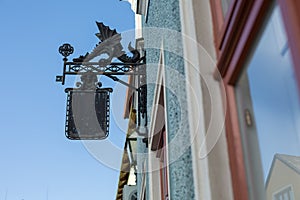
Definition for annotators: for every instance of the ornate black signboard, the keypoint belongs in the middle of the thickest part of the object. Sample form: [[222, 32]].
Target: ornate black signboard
[[88, 105]]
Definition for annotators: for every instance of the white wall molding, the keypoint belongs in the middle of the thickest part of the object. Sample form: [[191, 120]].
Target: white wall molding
[[195, 99]]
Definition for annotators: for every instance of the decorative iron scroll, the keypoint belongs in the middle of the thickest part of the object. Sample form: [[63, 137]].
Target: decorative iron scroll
[[88, 105], [86, 67], [66, 50], [109, 47]]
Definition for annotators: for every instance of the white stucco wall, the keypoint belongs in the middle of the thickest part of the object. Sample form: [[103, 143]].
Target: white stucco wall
[[206, 112]]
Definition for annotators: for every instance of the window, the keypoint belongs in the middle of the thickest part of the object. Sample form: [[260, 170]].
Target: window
[[142, 7], [225, 6], [237, 62], [139, 6], [285, 194], [269, 109], [142, 195], [158, 131], [164, 169]]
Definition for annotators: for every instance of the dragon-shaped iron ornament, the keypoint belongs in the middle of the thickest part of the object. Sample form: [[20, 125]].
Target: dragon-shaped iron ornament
[[100, 59], [110, 44]]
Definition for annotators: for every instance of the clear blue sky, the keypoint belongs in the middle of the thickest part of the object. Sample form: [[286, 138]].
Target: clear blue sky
[[35, 155]]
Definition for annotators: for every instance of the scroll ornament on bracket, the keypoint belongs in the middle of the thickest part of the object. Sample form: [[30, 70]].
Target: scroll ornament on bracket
[[79, 123]]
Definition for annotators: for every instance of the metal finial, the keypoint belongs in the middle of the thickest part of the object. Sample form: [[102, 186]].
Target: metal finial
[[65, 50]]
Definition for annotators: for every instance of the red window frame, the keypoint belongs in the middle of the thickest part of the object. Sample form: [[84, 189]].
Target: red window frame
[[234, 38], [159, 144]]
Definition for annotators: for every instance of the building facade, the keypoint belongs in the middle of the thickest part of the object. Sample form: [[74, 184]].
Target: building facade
[[283, 179], [222, 96]]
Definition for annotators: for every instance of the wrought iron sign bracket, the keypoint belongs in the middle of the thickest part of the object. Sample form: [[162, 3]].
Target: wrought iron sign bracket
[[89, 95], [114, 78]]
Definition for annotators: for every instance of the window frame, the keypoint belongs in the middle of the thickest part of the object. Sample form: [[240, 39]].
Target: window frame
[[164, 177], [234, 38], [142, 8], [143, 182], [159, 135], [283, 190]]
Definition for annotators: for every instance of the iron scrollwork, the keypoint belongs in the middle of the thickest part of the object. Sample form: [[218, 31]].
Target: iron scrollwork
[[110, 44], [99, 62]]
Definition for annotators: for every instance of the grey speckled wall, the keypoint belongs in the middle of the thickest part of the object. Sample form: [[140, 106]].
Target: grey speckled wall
[[166, 15]]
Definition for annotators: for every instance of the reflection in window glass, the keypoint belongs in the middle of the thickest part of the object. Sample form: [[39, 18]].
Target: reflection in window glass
[[284, 194], [268, 89]]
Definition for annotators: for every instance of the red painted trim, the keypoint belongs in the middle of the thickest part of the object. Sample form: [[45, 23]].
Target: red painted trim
[[291, 16], [233, 33], [220, 25], [244, 43], [218, 20], [226, 22], [164, 169], [236, 42], [217, 13], [235, 148], [247, 39], [233, 28], [166, 165]]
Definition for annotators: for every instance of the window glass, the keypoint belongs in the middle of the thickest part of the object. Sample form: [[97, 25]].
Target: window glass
[[225, 6], [269, 112]]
